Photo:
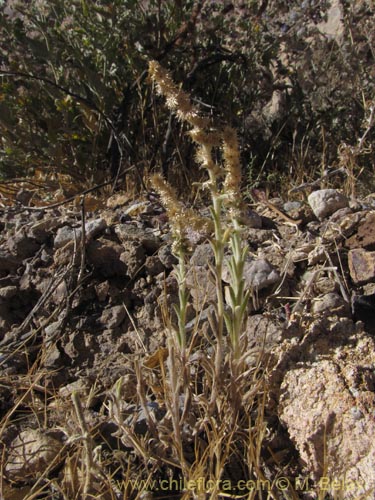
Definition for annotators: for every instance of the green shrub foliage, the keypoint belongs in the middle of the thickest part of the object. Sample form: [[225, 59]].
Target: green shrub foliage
[[73, 96]]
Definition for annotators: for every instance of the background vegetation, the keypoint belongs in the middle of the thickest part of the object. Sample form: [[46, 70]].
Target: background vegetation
[[73, 95]]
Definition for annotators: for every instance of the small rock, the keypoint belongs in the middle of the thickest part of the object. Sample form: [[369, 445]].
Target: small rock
[[52, 358], [365, 235], [60, 293], [104, 256], [8, 262], [141, 422], [251, 219], [301, 253], [8, 292], [82, 387], [199, 321], [316, 255], [326, 201], [292, 206], [262, 335], [349, 223], [22, 245], [113, 317], [64, 254], [356, 205], [94, 227], [102, 290], [153, 266], [133, 256], [126, 387], [258, 236], [333, 25], [51, 329], [197, 236], [146, 237], [66, 234], [340, 214], [41, 230], [24, 196], [166, 257], [202, 255], [258, 274], [331, 304], [30, 453], [361, 265], [137, 208], [46, 257]]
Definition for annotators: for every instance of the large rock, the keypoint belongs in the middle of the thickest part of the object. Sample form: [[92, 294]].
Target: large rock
[[332, 427], [325, 202], [30, 453]]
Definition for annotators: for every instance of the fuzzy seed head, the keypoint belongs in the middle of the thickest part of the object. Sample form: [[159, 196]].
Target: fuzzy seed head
[[199, 136], [176, 99], [168, 196], [231, 153], [187, 226], [204, 158]]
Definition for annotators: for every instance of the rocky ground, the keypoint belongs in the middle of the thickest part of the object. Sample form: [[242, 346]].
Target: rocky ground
[[84, 297]]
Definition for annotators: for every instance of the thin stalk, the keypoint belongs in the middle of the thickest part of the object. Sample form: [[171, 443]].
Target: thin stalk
[[238, 297], [183, 296], [218, 246], [88, 446], [175, 385]]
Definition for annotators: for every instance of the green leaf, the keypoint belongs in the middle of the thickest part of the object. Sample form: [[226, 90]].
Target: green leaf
[[85, 9]]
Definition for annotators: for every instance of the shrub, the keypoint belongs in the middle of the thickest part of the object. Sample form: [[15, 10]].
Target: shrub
[[73, 97]]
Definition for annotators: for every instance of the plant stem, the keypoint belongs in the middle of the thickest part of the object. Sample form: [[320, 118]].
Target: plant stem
[[218, 246]]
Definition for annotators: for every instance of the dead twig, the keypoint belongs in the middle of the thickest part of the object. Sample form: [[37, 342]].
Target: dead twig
[[307, 185], [19, 337], [83, 241], [71, 198]]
